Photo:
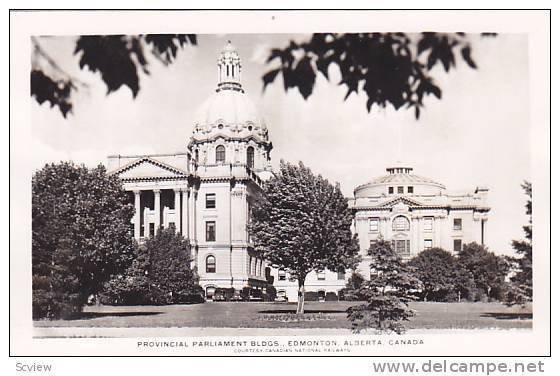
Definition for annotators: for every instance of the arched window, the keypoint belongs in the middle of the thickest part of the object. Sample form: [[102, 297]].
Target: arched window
[[250, 157], [401, 223], [210, 264], [220, 154]]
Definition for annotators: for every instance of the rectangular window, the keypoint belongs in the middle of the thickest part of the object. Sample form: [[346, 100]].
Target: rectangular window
[[210, 201], [400, 190], [171, 225], [457, 245], [428, 223], [402, 247], [281, 275], [152, 229], [410, 189], [374, 224], [321, 275], [211, 231], [391, 190], [341, 275], [457, 223], [427, 243]]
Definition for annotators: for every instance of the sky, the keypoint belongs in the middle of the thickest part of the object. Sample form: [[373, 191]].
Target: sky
[[476, 135]]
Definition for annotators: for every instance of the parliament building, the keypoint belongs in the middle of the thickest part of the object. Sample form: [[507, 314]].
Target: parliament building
[[207, 192]]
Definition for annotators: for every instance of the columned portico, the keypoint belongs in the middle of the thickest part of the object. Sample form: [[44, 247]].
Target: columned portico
[[177, 205], [137, 215], [185, 212], [157, 210]]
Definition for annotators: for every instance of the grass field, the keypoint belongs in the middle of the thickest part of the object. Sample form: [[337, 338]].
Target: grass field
[[280, 315]]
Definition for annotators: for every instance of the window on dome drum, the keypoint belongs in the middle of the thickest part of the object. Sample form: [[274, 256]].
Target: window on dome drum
[[401, 223], [220, 154], [457, 245], [427, 243], [211, 231], [391, 190], [410, 189], [281, 275], [196, 155], [210, 201], [341, 274], [250, 157], [321, 275], [400, 190], [374, 224], [457, 223], [428, 223], [210, 264]]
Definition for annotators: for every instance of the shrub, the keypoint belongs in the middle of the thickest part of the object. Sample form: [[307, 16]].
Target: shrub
[[311, 296], [331, 297], [270, 293], [160, 274]]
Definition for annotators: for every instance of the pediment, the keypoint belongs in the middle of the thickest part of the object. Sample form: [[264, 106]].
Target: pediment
[[400, 202], [148, 167]]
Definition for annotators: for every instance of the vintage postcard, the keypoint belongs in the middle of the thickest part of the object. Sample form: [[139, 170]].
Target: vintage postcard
[[332, 183]]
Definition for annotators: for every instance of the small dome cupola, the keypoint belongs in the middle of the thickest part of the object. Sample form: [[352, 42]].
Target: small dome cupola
[[229, 69], [399, 168]]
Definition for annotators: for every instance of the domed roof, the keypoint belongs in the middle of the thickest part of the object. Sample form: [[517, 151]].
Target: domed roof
[[399, 174], [229, 111], [230, 108]]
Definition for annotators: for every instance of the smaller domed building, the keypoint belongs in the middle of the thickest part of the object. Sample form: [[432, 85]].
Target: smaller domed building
[[415, 213]]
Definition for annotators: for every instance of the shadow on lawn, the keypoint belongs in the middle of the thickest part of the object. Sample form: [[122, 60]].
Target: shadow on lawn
[[293, 311], [94, 315], [507, 315]]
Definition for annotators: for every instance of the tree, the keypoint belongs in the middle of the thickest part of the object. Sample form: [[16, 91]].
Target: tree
[[352, 289], [487, 269], [302, 224], [436, 269], [390, 68], [160, 274], [80, 236], [117, 58], [521, 283], [388, 292]]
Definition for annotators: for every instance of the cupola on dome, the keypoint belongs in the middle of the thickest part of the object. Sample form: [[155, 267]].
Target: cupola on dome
[[229, 111]]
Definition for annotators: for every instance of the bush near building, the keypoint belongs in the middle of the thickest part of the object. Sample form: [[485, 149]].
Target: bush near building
[[80, 236], [161, 273]]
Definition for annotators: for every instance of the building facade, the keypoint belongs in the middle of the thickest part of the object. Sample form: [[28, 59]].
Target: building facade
[[207, 193], [415, 213]]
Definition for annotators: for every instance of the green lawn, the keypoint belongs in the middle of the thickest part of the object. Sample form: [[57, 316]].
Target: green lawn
[[278, 315]]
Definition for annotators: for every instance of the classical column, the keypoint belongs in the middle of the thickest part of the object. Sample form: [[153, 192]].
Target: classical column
[[137, 213], [192, 214], [185, 213], [177, 195], [157, 210]]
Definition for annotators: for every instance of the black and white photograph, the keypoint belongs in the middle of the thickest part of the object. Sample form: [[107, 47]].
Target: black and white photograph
[[280, 183]]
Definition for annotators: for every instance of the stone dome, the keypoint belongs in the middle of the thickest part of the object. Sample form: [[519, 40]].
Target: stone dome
[[399, 176], [229, 111]]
